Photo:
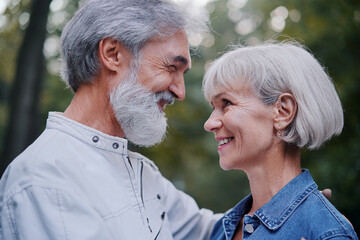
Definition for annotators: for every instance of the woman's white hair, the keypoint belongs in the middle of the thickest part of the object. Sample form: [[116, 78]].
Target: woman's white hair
[[272, 69]]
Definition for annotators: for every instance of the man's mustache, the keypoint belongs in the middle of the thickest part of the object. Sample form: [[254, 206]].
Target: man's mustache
[[165, 96]]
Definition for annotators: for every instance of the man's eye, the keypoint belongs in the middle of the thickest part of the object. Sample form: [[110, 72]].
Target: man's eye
[[172, 68]]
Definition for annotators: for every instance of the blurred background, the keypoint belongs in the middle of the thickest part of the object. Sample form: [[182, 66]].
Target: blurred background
[[30, 87]]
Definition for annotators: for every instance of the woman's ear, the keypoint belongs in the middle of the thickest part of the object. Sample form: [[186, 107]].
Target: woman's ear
[[285, 111], [112, 54]]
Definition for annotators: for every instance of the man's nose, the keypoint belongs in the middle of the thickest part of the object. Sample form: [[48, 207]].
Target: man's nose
[[177, 88], [213, 123]]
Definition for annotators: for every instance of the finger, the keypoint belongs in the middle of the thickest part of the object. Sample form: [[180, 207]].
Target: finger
[[327, 193]]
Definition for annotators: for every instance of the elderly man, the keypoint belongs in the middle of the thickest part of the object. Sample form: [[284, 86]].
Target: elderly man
[[125, 61]]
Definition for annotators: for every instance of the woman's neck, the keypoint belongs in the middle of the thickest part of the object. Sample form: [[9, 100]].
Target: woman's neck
[[272, 174]]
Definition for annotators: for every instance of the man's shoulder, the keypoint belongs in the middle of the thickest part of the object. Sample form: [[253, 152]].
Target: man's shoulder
[[42, 157], [51, 144], [39, 149]]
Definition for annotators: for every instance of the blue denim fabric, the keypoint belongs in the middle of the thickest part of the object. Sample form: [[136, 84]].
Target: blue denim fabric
[[297, 211]]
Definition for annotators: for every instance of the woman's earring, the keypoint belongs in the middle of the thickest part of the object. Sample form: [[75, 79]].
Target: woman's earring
[[279, 133]]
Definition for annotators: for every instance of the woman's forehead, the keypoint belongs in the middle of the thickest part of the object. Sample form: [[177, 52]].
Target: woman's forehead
[[239, 89]]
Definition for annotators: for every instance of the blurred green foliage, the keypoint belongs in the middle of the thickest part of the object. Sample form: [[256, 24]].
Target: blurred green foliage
[[188, 156]]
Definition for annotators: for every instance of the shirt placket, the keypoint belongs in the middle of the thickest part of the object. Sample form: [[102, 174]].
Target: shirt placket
[[136, 188], [135, 169], [250, 224]]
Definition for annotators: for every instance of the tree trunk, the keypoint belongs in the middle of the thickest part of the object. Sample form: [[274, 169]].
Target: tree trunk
[[24, 99]]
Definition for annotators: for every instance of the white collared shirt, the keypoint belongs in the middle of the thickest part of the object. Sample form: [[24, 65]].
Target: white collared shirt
[[75, 182]]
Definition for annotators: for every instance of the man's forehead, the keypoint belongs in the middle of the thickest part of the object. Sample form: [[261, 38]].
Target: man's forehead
[[174, 49]]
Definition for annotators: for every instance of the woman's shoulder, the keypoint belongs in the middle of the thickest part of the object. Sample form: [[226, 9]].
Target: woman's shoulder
[[321, 218]]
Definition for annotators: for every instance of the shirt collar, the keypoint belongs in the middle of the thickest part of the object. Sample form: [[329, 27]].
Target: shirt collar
[[275, 213], [232, 218], [86, 134]]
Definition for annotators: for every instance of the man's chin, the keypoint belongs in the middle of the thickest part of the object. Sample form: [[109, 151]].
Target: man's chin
[[145, 143], [147, 140]]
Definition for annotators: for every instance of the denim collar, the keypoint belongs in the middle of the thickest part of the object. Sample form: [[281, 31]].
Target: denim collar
[[232, 218], [274, 213]]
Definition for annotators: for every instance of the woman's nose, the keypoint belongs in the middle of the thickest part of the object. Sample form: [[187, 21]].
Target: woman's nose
[[213, 123]]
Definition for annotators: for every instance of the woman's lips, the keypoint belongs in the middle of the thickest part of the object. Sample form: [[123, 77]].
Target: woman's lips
[[223, 141]]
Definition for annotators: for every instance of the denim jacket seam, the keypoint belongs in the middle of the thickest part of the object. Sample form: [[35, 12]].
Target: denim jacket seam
[[276, 224], [227, 223], [297, 202], [224, 226], [333, 214], [333, 233]]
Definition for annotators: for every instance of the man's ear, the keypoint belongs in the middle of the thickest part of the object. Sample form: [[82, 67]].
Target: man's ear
[[112, 54], [285, 110]]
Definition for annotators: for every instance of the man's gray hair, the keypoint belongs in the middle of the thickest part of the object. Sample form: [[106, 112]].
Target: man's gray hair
[[272, 69], [132, 22]]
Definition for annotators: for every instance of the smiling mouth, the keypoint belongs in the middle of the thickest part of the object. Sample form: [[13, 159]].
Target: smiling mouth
[[225, 141]]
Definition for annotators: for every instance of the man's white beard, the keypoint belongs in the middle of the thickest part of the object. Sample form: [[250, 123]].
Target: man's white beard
[[136, 109]]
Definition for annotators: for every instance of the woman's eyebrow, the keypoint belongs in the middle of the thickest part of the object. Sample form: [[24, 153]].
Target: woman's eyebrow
[[217, 96]]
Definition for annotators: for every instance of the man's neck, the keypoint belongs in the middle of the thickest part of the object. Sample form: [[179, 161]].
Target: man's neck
[[91, 107]]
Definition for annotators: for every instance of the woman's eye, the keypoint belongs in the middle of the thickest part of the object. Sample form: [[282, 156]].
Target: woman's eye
[[227, 102]]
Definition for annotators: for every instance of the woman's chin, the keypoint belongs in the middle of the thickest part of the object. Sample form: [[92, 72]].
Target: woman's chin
[[225, 165]]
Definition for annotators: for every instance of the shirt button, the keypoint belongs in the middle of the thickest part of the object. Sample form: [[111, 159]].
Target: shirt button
[[95, 139], [249, 228], [158, 196], [115, 145]]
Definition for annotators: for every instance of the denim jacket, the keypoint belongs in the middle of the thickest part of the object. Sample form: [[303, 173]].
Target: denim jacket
[[297, 211]]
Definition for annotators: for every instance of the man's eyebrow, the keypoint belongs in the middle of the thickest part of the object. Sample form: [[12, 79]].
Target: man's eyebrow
[[183, 61], [180, 59]]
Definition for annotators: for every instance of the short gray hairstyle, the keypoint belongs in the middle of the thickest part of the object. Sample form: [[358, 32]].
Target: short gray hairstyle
[[132, 22], [271, 69]]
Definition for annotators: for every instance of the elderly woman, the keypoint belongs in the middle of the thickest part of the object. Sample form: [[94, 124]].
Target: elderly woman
[[269, 101]]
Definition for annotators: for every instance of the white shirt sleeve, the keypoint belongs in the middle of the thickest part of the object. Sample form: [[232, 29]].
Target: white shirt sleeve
[[187, 221], [37, 212]]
